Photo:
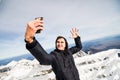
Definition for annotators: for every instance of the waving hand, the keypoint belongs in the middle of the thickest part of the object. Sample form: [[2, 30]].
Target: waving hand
[[74, 32]]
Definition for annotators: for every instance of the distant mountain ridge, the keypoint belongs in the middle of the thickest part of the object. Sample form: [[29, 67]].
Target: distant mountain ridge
[[17, 58], [93, 46]]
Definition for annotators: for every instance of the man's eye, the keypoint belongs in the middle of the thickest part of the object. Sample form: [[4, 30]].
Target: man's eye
[[58, 42]]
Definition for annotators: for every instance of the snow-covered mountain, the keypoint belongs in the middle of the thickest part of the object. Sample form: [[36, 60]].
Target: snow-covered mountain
[[103, 65]]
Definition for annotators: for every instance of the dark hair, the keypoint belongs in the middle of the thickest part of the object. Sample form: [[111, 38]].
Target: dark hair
[[66, 47]]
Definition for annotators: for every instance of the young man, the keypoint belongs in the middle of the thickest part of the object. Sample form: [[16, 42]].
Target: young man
[[61, 58]]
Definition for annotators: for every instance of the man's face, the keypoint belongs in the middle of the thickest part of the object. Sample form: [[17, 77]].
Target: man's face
[[60, 44]]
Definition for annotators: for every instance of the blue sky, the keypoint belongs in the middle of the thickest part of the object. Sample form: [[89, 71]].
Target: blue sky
[[93, 18]]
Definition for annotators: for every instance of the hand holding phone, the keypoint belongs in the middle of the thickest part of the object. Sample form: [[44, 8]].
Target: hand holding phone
[[41, 19]]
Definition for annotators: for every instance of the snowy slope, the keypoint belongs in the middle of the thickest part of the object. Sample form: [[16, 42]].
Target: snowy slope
[[103, 65]]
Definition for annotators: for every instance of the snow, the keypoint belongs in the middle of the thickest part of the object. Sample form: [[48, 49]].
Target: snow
[[103, 65]]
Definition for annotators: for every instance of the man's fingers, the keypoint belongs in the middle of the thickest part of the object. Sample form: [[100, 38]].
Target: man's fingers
[[40, 28], [35, 24], [74, 30], [71, 31], [38, 23]]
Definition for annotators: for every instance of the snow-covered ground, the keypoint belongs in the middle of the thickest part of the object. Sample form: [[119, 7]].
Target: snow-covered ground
[[103, 65]]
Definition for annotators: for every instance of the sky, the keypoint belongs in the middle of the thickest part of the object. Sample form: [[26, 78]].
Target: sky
[[94, 19]]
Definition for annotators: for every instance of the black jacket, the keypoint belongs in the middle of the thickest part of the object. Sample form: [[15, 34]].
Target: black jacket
[[62, 62]]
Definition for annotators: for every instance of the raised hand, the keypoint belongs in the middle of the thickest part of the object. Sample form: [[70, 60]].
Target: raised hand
[[32, 28], [74, 32]]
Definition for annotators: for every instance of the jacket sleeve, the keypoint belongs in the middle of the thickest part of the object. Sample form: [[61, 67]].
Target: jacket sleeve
[[39, 53], [78, 45]]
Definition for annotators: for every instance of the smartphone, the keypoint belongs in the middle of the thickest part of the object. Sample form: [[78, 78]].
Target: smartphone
[[40, 18]]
